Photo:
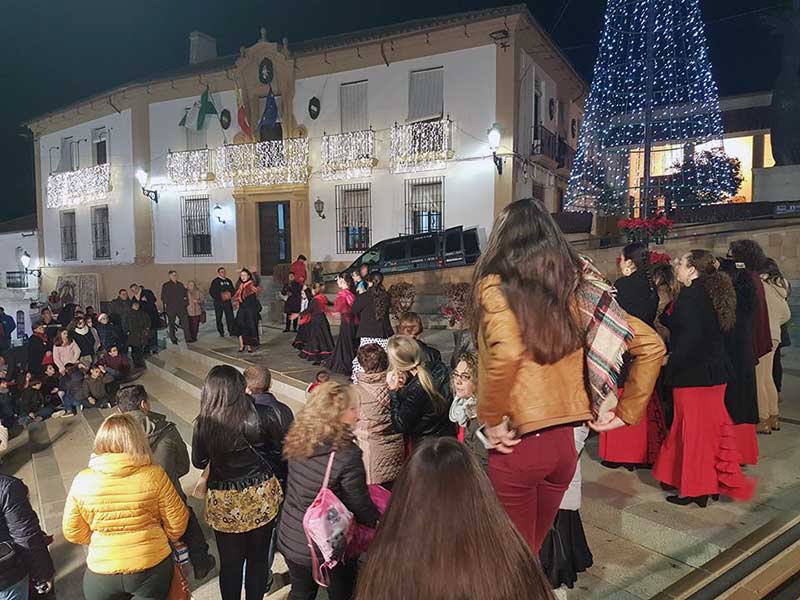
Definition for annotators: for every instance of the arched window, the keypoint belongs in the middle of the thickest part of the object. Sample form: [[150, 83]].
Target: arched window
[[20, 324]]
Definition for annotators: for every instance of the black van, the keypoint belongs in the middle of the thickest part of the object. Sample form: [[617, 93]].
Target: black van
[[453, 247]]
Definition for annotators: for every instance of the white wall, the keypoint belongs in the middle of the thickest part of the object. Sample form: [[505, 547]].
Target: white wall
[[12, 300], [469, 99], [165, 135], [119, 200]]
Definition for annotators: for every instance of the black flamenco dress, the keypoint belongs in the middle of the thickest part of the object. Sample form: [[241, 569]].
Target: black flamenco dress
[[304, 318], [249, 313], [341, 361], [319, 342]]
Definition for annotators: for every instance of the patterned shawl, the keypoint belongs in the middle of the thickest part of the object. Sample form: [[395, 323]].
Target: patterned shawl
[[607, 337]]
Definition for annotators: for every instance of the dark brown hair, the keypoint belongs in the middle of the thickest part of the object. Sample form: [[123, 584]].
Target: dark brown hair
[[750, 253], [372, 358], [464, 544], [379, 294], [718, 285], [539, 274], [639, 254], [410, 324]]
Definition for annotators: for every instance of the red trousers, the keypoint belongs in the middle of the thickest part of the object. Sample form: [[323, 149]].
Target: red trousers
[[531, 481]]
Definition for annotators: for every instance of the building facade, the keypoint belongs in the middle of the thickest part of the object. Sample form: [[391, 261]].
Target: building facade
[[19, 273], [366, 136]]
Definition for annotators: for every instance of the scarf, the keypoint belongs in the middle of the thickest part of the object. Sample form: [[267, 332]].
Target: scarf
[[607, 337], [463, 410], [246, 289]]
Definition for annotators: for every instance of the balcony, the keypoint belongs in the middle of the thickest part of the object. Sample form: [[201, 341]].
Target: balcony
[[263, 163], [190, 170], [16, 279], [422, 146], [544, 150], [348, 155], [71, 188], [566, 157]]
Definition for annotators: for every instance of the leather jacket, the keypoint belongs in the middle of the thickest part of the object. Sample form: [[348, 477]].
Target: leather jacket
[[416, 415]]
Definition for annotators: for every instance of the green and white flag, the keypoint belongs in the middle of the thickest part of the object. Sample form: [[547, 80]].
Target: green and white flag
[[195, 117]]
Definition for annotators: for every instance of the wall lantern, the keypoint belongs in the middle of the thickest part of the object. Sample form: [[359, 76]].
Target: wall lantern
[[141, 176], [25, 259], [493, 135], [319, 206], [218, 212]]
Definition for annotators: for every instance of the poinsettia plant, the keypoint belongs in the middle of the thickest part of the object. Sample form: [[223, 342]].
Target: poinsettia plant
[[659, 258], [458, 295], [655, 228]]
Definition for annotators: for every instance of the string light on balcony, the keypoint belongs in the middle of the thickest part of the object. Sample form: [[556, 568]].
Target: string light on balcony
[[189, 169], [263, 163], [420, 146], [348, 155], [72, 188]]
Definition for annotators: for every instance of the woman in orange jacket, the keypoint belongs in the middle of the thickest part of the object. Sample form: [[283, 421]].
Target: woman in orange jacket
[[550, 342]]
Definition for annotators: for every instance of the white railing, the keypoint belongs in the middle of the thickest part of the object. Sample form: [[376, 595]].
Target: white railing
[[262, 163], [190, 169], [421, 146], [71, 188], [348, 155]]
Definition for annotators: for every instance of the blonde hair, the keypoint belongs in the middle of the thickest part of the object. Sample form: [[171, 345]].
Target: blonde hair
[[121, 434], [404, 355], [320, 422]]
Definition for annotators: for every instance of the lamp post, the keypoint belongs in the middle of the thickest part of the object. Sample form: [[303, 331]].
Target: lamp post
[[25, 259], [141, 176], [217, 212], [319, 207], [494, 134]]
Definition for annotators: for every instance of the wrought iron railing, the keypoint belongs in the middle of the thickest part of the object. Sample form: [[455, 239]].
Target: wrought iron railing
[[71, 188], [566, 155], [348, 155], [262, 163], [545, 143], [16, 279], [189, 169], [421, 146]]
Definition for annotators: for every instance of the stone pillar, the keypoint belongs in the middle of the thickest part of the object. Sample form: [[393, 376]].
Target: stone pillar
[[142, 205]]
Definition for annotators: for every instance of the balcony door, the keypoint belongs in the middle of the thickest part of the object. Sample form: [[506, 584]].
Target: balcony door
[[275, 235]]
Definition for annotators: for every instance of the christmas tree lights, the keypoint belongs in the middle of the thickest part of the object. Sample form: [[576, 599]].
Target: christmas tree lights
[[653, 105], [263, 163], [71, 188], [348, 155], [189, 170], [420, 146]]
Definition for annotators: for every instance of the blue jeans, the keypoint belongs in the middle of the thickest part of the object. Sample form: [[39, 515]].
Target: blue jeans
[[113, 372], [69, 403], [45, 412], [8, 410], [18, 591]]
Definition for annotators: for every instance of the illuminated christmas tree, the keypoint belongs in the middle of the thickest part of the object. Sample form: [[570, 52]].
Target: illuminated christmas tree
[[653, 116]]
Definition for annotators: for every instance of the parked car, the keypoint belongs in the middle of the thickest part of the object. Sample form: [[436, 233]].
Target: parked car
[[453, 247]]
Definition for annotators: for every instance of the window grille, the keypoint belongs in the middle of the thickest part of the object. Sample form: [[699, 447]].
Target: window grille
[[16, 279], [20, 324], [353, 217], [424, 205], [69, 240], [101, 234], [196, 226]]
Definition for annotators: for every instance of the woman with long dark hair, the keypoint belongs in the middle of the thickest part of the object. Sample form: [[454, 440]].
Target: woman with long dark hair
[[548, 328], [700, 457], [341, 361], [237, 437], [464, 545], [248, 310], [741, 393], [371, 309], [637, 445]]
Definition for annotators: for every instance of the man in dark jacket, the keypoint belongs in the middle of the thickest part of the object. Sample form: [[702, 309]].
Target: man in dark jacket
[[38, 347], [108, 332], [149, 305], [176, 299], [222, 290], [169, 452], [19, 527], [9, 325]]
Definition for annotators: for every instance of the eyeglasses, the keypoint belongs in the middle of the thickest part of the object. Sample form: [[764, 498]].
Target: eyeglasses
[[464, 376]]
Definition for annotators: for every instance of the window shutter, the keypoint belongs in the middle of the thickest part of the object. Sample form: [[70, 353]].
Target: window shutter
[[65, 160], [353, 100], [426, 95]]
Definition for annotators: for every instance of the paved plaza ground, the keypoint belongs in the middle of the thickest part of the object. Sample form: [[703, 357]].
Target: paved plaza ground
[[641, 543]]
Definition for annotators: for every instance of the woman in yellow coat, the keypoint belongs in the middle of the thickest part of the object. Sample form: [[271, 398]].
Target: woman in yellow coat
[[127, 510]]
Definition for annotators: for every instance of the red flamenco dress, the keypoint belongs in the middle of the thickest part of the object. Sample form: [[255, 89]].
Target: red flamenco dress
[[700, 456]]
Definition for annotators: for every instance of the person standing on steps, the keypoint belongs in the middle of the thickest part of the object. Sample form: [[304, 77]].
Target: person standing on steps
[[222, 290], [149, 305], [176, 300], [298, 267], [9, 325], [248, 309], [195, 310]]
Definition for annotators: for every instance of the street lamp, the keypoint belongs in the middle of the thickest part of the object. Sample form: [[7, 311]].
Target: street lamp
[[25, 259], [141, 176], [218, 212], [494, 134], [319, 206]]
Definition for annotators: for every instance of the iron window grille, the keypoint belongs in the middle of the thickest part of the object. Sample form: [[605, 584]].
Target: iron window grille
[[69, 240], [16, 279], [353, 217], [20, 325], [101, 234], [196, 226], [424, 200]]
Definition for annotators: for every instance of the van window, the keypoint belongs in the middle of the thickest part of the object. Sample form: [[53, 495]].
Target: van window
[[394, 251], [423, 246], [452, 241], [371, 257], [471, 246]]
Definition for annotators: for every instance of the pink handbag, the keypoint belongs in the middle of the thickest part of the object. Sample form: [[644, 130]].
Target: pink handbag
[[328, 526], [363, 535]]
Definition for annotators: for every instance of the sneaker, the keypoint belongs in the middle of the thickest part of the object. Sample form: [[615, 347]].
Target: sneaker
[[68, 414], [58, 413], [203, 571]]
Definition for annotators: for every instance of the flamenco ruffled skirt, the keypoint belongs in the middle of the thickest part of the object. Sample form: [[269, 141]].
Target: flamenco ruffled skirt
[[700, 455], [638, 444], [747, 442], [565, 551]]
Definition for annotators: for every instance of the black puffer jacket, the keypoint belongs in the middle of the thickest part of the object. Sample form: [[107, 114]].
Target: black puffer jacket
[[247, 462], [416, 415], [348, 481], [19, 526]]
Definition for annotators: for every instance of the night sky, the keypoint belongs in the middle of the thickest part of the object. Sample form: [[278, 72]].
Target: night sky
[[53, 52]]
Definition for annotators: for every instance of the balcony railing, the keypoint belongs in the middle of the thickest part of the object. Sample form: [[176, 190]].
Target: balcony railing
[[16, 279], [71, 188], [190, 169], [348, 155], [263, 163], [545, 143], [421, 146], [566, 155]]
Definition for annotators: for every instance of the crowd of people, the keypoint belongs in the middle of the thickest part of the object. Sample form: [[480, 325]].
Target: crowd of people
[[675, 366]]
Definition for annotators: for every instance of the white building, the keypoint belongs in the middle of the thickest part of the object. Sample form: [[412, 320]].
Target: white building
[[19, 273], [382, 132]]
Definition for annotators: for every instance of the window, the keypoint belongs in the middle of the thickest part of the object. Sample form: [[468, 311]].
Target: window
[[424, 205], [20, 324], [353, 100], [70, 159], [16, 279], [426, 95], [353, 217], [196, 140], [196, 226], [268, 132], [100, 146], [395, 251], [423, 246], [101, 235], [69, 241]]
